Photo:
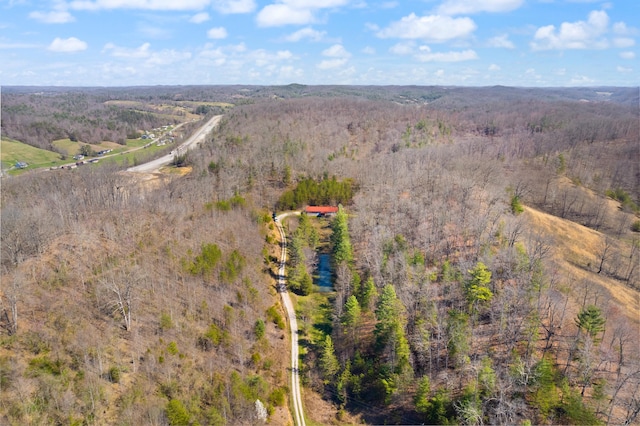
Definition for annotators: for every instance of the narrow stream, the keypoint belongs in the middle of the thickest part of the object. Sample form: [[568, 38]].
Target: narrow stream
[[324, 273]]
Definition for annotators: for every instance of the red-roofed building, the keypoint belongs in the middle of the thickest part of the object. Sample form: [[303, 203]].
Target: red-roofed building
[[321, 211]]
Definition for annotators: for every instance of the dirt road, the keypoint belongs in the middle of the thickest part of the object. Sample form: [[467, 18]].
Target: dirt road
[[298, 413]]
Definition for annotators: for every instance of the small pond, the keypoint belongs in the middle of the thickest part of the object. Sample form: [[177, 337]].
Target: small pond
[[324, 282]]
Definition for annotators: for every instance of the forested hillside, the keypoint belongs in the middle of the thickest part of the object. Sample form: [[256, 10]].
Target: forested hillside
[[39, 116], [485, 265], [475, 303]]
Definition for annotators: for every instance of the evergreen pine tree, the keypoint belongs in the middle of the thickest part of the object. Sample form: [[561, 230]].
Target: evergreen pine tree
[[342, 251], [591, 321], [369, 294], [328, 361], [351, 315]]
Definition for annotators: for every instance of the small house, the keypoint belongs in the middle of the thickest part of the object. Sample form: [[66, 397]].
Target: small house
[[321, 211]]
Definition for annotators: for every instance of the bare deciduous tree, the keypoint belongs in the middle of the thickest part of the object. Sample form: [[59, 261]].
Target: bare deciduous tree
[[121, 288]]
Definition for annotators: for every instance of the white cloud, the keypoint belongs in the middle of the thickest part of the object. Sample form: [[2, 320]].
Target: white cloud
[[167, 57], [199, 18], [623, 42], [217, 33], [339, 57], [628, 55], [275, 15], [428, 56], [288, 72], [294, 12], [314, 4], [531, 74], [368, 50], [154, 31], [139, 4], [53, 17], [332, 63], [621, 28], [125, 52], [623, 69], [145, 56], [459, 7], [573, 35], [237, 48], [336, 51], [234, 6], [494, 67], [264, 58], [307, 32], [67, 45], [582, 79], [501, 41], [435, 28], [239, 60], [403, 48], [218, 55], [371, 26]]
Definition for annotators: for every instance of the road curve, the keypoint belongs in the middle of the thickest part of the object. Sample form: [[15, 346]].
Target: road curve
[[197, 137], [298, 413]]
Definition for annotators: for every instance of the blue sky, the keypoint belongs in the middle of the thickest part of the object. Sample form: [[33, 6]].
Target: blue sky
[[425, 42]]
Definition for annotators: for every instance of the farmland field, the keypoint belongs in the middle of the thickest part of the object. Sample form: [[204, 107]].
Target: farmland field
[[72, 148], [13, 151]]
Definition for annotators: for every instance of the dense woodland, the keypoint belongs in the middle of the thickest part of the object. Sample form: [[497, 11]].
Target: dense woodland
[[154, 303]]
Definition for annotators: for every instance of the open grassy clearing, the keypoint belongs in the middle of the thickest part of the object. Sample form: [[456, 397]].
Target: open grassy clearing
[[180, 110], [576, 252], [183, 110], [138, 156], [127, 104], [138, 104], [36, 158], [12, 151], [72, 148], [194, 104]]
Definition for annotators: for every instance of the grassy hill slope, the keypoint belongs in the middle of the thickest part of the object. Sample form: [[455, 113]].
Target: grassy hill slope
[[13, 151], [577, 251]]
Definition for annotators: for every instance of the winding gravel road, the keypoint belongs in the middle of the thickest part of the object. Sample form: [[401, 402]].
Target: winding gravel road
[[196, 138], [298, 413]]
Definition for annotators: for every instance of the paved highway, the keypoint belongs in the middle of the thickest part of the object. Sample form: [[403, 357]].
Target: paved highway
[[197, 137], [298, 413]]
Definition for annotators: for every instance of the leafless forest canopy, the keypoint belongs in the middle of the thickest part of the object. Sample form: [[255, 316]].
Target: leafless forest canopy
[[132, 301]]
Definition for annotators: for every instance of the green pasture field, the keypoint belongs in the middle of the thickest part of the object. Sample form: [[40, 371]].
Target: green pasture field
[[136, 143], [72, 148], [168, 111], [12, 151], [132, 158], [136, 157], [218, 104]]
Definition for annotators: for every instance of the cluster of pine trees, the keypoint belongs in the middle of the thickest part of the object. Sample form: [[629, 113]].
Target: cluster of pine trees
[[301, 250], [380, 351], [312, 192]]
